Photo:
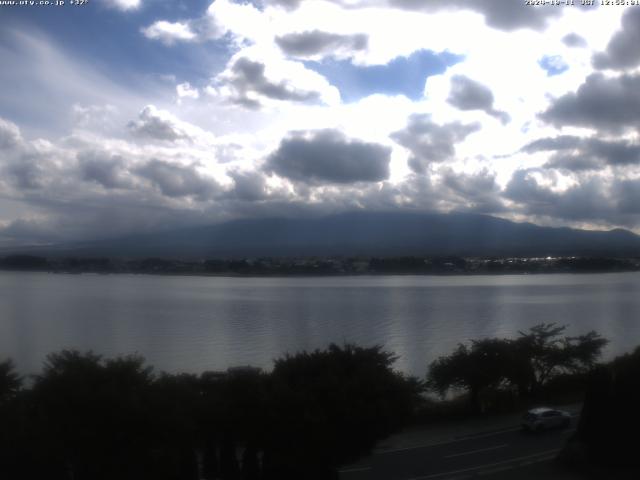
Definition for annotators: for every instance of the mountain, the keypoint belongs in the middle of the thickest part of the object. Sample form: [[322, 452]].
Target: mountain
[[364, 233]]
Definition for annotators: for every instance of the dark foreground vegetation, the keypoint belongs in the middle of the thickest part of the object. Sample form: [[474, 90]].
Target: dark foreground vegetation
[[494, 371], [87, 417], [608, 433], [90, 418], [416, 265]]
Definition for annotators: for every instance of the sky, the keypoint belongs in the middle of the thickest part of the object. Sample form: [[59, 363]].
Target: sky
[[133, 116]]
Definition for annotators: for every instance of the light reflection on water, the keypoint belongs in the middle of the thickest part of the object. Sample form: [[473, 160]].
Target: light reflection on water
[[210, 323]]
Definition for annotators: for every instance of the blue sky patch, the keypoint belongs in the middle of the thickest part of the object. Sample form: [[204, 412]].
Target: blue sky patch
[[553, 65], [402, 75], [111, 40]]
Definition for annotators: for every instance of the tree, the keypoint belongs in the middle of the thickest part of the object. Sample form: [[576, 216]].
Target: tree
[[610, 420], [542, 353], [11, 420], [10, 381], [474, 368], [331, 406], [93, 416], [528, 362]]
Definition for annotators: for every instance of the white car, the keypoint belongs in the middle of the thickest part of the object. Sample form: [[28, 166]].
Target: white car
[[538, 419]]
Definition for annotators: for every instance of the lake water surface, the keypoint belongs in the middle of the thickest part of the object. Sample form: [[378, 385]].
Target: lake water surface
[[210, 323]]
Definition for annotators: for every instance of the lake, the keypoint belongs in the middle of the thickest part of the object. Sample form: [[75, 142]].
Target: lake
[[192, 324]]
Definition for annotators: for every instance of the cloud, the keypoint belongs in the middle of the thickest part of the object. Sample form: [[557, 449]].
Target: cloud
[[176, 180], [573, 40], [158, 125], [124, 5], [627, 193], [288, 4], [622, 51], [169, 32], [248, 186], [476, 192], [611, 104], [580, 154], [315, 43], [467, 94], [248, 83], [9, 135], [109, 171], [185, 90], [327, 156], [27, 173], [429, 142], [101, 118], [23, 166], [536, 193], [500, 14]]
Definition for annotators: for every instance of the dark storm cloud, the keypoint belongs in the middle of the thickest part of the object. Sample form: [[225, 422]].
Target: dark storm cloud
[[576, 153], [106, 170], [314, 42], [575, 162], [622, 51], [178, 180], [628, 196], [247, 76], [595, 199], [248, 186], [474, 192], [574, 40], [327, 156], [467, 94], [152, 124], [429, 142], [589, 200], [27, 173], [562, 142], [610, 104]]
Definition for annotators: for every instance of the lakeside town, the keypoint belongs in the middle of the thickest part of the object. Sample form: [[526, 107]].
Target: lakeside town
[[278, 266]]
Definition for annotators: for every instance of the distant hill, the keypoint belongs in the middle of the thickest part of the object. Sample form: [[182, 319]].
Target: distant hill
[[364, 233]]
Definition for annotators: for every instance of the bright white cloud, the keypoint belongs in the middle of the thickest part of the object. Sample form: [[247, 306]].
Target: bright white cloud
[[125, 4], [169, 32], [185, 90]]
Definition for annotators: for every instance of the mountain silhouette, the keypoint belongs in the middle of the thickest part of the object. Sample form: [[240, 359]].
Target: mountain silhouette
[[364, 233]]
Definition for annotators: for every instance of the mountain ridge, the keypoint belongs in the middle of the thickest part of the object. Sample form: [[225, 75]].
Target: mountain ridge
[[362, 233]]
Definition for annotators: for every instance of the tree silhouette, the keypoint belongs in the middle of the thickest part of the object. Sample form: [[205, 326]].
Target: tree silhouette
[[527, 363], [475, 368], [10, 381], [545, 354], [329, 407], [610, 419], [93, 415]]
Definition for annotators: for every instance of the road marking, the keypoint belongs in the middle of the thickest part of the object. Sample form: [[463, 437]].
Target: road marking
[[487, 465], [475, 451]]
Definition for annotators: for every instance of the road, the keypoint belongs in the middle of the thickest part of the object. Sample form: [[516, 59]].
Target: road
[[482, 454]]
